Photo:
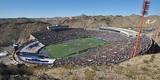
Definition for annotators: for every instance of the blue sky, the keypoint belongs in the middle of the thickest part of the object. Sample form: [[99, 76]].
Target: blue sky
[[53, 8]]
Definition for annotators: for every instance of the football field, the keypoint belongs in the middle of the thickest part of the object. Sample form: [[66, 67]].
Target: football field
[[70, 47]]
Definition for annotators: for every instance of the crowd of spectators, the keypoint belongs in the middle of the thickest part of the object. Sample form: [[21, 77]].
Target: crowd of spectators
[[51, 37]]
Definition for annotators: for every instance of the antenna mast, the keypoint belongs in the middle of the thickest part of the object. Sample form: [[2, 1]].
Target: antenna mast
[[144, 12]]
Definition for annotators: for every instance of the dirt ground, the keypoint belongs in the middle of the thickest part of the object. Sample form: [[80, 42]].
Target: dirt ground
[[144, 67]]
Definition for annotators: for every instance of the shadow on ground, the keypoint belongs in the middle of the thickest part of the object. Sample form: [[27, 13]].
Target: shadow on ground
[[14, 72], [155, 48]]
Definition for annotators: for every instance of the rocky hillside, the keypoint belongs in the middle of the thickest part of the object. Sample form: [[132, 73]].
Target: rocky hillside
[[98, 21], [18, 30], [156, 35]]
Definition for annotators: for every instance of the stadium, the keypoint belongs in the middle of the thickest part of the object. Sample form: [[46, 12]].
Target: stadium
[[61, 45]]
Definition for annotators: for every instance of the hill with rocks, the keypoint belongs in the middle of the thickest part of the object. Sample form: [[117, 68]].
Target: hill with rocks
[[98, 21], [18, 30]]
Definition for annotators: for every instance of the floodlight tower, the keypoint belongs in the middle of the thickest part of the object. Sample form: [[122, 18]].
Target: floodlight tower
[[140, 26]]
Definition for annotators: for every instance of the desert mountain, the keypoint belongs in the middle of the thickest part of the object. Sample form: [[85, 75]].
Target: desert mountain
[[18, 30]]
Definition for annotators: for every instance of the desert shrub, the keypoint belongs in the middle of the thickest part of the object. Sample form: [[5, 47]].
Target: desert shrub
[[23, 69], [152, 58], [68, 66], [46, 77], [144, 69], [14, 71], [146, 61], [95, 68], [89, 74], [74, 78]]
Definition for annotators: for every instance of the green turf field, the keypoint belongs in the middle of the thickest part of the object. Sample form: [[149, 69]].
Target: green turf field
[[72, 47]]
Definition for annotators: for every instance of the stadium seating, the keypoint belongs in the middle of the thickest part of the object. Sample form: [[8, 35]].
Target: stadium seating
[[119, 49]]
